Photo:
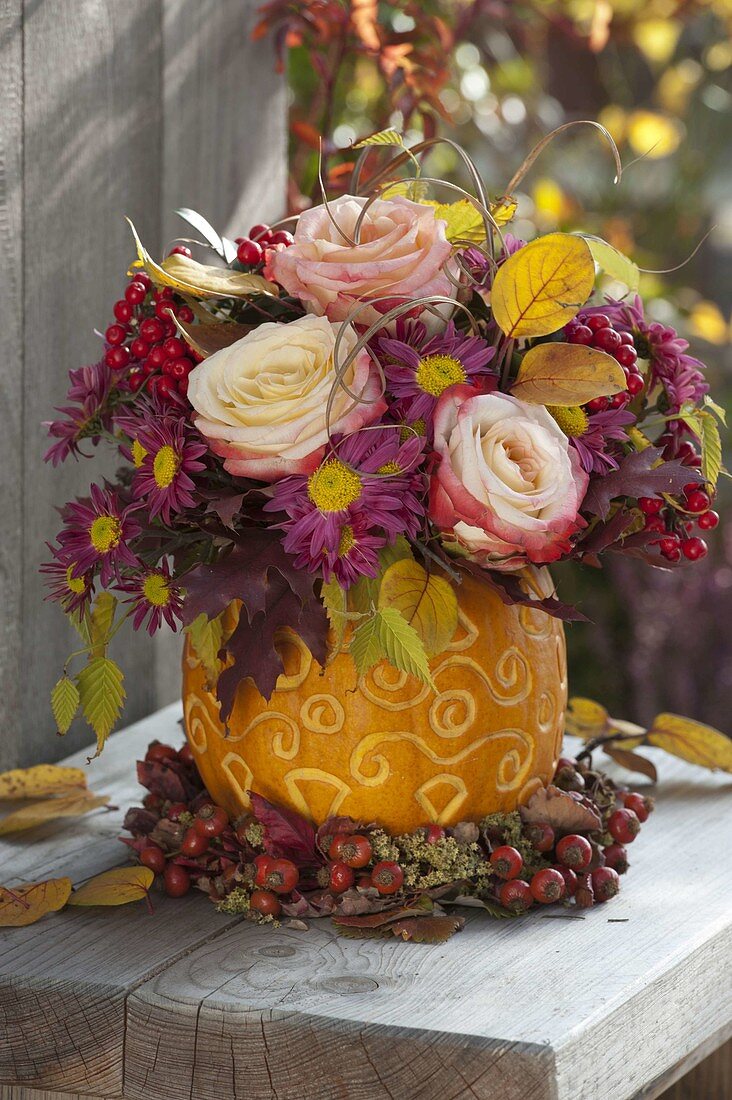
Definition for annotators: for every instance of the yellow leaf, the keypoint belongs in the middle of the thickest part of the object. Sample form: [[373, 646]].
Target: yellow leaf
[[38, 813], [40, 781], [26, 904], [691, 741], [199, 280], [585, 718], [116, 887], [503, 210], [463, 221], [566, 374], [426, 601], [543, 285]]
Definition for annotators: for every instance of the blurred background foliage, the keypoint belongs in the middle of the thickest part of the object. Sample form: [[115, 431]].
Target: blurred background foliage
[[497, 75]]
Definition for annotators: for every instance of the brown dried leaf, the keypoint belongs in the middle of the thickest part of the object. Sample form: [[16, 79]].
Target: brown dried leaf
[[561, 810], [28, 903], [427, 930], [632, 761], [691, 741]]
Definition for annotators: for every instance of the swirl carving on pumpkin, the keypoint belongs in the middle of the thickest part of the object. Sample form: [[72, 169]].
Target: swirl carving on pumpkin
[[365, 755], [451, 808], [200, 722], [323, 714]]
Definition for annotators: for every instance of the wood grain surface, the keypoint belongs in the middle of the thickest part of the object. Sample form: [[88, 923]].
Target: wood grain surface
[[109, 109], [610, 1005]]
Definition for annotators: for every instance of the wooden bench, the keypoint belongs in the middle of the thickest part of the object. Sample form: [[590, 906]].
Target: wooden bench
[[618, 1002]]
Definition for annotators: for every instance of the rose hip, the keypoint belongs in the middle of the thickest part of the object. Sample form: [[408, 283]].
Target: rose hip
[[506, 861]]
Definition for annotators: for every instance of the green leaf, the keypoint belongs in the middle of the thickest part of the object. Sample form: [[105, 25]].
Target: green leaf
[[496, 910], [101, 620], [364, 595], [80, 622], [101, 695], [715, 408], [388, 635], [64, 703], [381, 137], [613, 262], [335, 600], [711, 448], [207, 638]]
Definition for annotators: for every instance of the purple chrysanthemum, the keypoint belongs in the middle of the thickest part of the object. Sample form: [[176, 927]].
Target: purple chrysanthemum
[[593, 434], [96, 535], [167, 454], [154, 597], [681, 375], [419, 367], [364, 493], [89, 414], [73, 593]]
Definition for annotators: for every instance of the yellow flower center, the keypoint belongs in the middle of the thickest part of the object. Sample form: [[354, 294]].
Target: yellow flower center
[[437, 372], [74, 584], [165, 466], [334, 486], [390, 468], [105, 533], [156, 590], [139, 454], [417, 428], [348, 541], [573, 420]]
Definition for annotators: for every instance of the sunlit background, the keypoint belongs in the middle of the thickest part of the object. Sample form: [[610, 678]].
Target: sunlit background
[[498, 76]]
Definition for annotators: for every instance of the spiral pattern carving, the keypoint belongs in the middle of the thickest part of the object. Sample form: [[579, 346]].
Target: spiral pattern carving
[[387, 747]]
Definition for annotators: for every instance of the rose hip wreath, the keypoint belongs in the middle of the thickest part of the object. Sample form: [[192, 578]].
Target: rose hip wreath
[[567, 846]]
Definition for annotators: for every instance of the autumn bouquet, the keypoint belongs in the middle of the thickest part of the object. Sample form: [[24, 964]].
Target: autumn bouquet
[[394, 379]]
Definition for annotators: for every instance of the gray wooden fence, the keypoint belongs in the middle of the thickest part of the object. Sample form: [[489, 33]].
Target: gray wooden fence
[[108, 107]]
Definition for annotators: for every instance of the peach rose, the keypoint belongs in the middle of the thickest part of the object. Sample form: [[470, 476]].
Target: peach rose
[[508, 486], [401, 252], [261, 402]]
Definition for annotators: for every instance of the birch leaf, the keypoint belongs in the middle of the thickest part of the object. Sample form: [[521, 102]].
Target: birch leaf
[[207, 638], [388, 634], [116, 887], [102, 696], [543, 285], [427, 602], [64, 703], [26, 904], [566, 375], [100, 622]]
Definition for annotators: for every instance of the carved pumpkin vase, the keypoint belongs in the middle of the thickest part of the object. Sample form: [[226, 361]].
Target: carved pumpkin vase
[[386, 748]]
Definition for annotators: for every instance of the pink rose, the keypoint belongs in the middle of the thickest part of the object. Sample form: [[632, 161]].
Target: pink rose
[[508, 486], [401, 252], [261, 402]]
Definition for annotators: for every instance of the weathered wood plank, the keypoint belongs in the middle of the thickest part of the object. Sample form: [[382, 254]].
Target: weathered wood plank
[[697, 1077], [219, 1010], [63, 981], [11, 390], [11, 1092], [92, 139]]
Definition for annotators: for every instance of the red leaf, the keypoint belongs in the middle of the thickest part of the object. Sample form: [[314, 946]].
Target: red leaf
[[427, 930], [287, 835], [253, 643], [165, 780], [637, 476]]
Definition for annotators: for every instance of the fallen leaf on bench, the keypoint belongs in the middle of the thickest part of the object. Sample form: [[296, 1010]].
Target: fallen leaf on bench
[[40, 781], [116, 887], [38, 813], [28, 903], [691, 741]]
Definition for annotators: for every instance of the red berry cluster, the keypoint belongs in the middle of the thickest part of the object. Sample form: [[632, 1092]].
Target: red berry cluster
[[252, 250], [674, 523], [581, 869], [595, 330], [143, 338]]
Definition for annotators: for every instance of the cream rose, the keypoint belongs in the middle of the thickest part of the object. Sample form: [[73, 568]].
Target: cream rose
[[261, 402], [508, 486], [401, 252]]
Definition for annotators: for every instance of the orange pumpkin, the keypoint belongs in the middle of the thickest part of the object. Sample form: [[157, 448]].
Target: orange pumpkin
[[386, 748]]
